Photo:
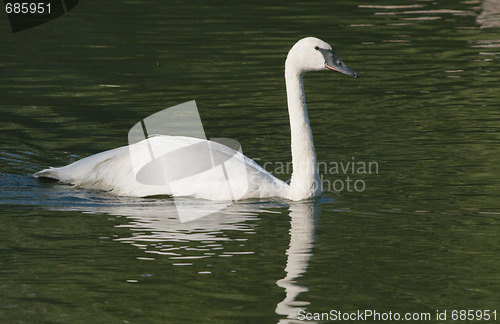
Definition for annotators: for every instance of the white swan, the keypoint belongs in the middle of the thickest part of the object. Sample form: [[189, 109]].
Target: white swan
[[242, 178]]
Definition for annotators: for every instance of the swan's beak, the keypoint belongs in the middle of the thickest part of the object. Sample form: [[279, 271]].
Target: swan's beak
[[332, 62]]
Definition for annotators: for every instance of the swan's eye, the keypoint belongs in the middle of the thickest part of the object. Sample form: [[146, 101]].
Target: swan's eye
[[316, 47]]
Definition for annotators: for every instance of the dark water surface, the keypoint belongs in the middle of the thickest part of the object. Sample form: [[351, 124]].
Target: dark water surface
[[419, 233]]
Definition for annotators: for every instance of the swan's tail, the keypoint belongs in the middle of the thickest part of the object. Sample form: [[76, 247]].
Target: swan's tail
[[50, 173]]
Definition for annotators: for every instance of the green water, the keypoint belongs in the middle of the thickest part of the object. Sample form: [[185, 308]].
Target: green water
[[422, 235]]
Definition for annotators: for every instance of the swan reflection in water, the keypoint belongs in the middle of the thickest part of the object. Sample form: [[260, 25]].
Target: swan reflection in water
[[155, 228], [303, 218], [489, 16]]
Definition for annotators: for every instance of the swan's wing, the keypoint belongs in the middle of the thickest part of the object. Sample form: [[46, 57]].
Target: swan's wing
[[172, 165], [204, 169]]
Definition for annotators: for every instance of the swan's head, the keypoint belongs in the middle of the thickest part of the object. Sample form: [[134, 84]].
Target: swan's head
[[313, 54]]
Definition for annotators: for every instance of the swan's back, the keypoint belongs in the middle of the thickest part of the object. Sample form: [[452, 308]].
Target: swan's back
[[203, 169]]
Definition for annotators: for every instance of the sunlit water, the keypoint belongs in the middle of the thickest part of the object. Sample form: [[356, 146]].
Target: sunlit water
[[418, 234]]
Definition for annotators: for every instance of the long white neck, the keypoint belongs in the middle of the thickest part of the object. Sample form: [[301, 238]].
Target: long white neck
[[305, 181]]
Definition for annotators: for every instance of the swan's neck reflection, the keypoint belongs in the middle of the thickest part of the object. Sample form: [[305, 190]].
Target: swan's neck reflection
[[302, 220]]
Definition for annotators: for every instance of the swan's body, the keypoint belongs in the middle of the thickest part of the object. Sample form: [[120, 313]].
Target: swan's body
[[241, 177], [113, 171]]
